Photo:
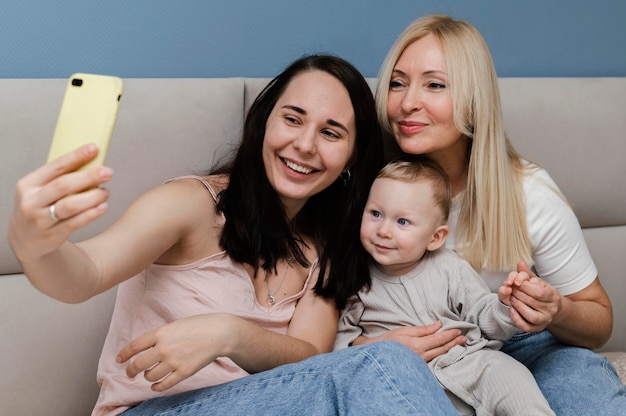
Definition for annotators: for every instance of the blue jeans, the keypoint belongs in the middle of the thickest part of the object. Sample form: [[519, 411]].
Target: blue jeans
[[382, 378], [575, 381]]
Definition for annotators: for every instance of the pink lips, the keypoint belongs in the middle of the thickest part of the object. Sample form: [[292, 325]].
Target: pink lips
[[380, 247], [411, 127]]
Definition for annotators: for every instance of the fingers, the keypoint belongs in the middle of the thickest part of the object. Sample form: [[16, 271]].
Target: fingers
[[168, 381], [66, 163], [133, 348], [157, 373], [537, 303], [517, 278], [79, 209], [74, 183], [56, 168], [535, 291], [427, 341], [421, 331], [504, 294], [457, 339], [148, 360], [59, 178], [523, 267], [50, 197], [161, 362], [510, 279], [534, 302], [429, 337], [440, 343]]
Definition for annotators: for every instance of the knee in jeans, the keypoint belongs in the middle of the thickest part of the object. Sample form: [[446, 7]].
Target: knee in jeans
[[394, 350], [392, 347]]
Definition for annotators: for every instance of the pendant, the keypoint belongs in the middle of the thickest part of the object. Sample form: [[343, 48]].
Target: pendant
[[271, 300]]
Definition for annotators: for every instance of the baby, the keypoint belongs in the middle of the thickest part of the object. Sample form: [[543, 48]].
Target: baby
[[416, 281]]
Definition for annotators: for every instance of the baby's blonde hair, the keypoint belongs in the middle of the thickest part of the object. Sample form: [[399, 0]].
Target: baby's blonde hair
[[426, 170]]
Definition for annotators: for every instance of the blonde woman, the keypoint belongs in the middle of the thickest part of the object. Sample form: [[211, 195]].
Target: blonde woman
[[438, 96]]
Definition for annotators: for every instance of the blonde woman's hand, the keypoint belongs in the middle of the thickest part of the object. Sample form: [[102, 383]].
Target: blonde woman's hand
[[55, 200], [425, 341], [534, 303], [513, 280]]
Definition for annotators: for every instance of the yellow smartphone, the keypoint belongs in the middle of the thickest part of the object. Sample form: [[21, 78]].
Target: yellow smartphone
[[88, 113]]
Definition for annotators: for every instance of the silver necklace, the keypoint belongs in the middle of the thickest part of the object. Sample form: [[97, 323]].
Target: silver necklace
[[271, 299]]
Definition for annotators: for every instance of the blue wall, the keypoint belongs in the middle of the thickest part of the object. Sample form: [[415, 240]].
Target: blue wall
[[257, 38]]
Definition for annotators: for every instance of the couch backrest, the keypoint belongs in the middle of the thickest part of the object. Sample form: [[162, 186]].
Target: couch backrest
[[574, 127]]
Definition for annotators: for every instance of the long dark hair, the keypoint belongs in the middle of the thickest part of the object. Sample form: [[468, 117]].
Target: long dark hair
[[258, 232]]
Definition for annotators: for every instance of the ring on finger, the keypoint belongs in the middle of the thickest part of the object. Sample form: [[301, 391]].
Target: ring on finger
[[53, 214]]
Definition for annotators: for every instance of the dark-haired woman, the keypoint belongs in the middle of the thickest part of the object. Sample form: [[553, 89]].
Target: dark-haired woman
[[223, 279]]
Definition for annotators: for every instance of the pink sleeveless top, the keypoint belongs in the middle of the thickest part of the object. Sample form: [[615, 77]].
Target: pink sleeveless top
[[165, 293]]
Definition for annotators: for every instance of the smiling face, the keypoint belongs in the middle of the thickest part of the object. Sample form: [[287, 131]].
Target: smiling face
[[419, 102], [400, 222], [309, 138]]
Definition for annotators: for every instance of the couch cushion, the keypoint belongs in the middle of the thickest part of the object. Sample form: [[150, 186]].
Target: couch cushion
[[50, 350]]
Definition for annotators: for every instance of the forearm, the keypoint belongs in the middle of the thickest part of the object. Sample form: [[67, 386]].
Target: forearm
[[65, 274], [582, 323], [256, 349], [176, 351], [361, 340]]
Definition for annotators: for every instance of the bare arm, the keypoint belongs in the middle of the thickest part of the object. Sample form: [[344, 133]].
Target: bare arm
[[75, 272], [52, 264], [584, 319]]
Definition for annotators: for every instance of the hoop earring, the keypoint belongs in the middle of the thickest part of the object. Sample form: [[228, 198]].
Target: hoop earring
[[346, 176]]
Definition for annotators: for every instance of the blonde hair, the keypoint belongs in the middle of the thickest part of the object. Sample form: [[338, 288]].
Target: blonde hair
[[425, 170], [491, 232]]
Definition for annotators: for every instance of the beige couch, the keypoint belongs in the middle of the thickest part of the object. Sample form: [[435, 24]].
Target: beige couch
[[575, 127]]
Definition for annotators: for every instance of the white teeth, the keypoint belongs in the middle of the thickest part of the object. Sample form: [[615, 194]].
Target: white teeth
[[298, 168]]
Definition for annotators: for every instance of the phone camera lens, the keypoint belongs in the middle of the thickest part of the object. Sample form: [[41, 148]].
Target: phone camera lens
[[77, 82]]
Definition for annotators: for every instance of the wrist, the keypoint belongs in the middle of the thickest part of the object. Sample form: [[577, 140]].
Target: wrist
[[562, 312], [233, 333], [360, 340]]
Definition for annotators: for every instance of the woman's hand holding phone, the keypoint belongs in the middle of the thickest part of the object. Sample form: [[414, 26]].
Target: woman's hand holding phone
[[64, 195], [55, 200]]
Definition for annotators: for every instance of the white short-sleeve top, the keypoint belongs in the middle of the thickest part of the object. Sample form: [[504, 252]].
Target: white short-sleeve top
[[559, 252]]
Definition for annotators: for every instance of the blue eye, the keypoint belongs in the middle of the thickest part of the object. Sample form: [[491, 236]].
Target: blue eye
[[403, 221], [376, 214]]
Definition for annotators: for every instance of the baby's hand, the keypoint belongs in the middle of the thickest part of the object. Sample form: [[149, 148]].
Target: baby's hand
[[514, 279], [518, 278]]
